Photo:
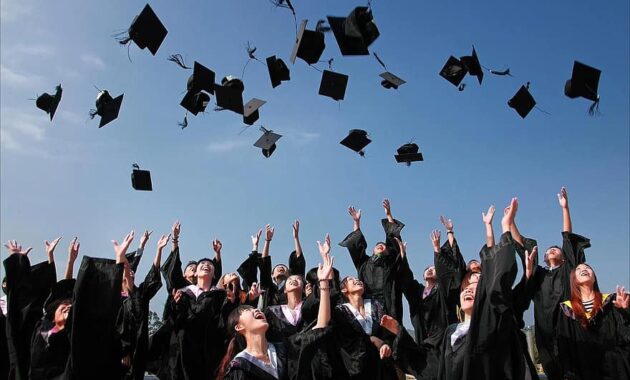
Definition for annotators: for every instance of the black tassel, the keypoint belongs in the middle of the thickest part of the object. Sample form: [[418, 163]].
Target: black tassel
[[93, 113], [251, 50], [379, 60], [461, 87], [179, 60], [184, 123], [330, 62], [593, 110]]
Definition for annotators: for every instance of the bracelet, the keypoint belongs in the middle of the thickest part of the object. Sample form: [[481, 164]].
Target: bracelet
[[267, 239], [324, 288], [449, 232]]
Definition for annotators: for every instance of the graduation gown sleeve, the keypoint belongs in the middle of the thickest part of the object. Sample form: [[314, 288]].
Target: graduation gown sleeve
[[356, 245], [248, 270], [172, 272], [297, 264]]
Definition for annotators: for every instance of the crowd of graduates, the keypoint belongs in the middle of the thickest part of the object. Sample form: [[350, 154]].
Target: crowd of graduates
[[286, 322]]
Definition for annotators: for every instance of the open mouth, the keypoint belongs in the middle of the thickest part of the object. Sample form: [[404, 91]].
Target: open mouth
[[585, 273], [259, 315], [469, 298]]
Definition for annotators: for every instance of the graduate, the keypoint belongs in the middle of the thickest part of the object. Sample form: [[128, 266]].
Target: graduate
[[485, 344], [549, 286], [378, 272], [27, 289], [133, 319], [594, 330], [50, 345], [251, 356]]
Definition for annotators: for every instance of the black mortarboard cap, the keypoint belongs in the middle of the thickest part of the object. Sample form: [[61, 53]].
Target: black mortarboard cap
[[141, 179], [202, 78], [473, 65], [147, 31], [522, 102], [250, 111], [391, 81], [333, 85], [230, 94], [356, 140], [278, 71], [583, 83], [195, 102], [454, 71], [408, 153], [309, 45], [48, 103], [355, 33], [107, 107], [267, 142]]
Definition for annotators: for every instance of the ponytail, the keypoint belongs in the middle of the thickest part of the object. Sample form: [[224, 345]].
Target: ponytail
[[227, 359]]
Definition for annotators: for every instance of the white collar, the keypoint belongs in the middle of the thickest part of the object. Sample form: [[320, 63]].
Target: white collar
[[365, 322]]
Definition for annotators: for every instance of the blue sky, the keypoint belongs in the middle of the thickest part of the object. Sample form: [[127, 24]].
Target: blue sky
[[69, 178]]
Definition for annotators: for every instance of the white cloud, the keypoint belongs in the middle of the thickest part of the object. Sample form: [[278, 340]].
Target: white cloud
[[227, 146], [71, 117], [26, 124], [14, 10], [22, 80], [302, 138], [7, 141], [93, 61], [30, 50]]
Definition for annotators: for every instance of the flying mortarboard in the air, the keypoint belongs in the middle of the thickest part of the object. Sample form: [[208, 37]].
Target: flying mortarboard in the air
[[106, 107], [146, 30], [48, 103]]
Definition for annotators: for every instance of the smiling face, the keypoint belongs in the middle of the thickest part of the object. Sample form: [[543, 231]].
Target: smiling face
[[429, 274], [251, 321], [280, 273], [205, 269], [380, 249], [467, 298], [294, 283], [474, 266], [584, 275], [554, 256], [351, 285], [189, 273]]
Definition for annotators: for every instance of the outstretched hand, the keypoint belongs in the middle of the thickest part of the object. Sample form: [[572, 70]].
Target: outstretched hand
[[529, 262], [296, 229], [325, 270], [14, 248], [50, 247], [176, 229], [144, 238], [256, 238], [435, 240], [163, 241], [254, 291], [622, 299], [390, 324], [355, 214], [121, 249], [509, 213], [387, 207], [448, 223], [487, 217], [269, 232], [324, 249], [402, 247], [563, 198], [217, 246], [73, 250]]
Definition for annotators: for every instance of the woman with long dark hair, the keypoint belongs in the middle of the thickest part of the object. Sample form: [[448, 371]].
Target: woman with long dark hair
[[260, 359], [594, 330]]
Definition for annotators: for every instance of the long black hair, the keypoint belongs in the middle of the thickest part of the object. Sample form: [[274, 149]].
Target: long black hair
[[237, 343]]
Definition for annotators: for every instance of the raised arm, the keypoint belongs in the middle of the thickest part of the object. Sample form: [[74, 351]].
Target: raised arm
[[388, 211], [50, 249], [297, 262], [157, 261], [448, 224], [73, 253], [356, 218], [487, 221], [296, 238], [268, 236], [175, 230], [355, 241], [324, 272], [144, 239], [216, 261], [563, 200]]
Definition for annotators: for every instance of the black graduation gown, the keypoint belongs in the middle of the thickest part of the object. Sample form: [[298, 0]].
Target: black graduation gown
[[248, 270], [360, 358], [94, 341], [174, 276], [379, 274], [50, 352], [548, 288], [600, 351], [296, 359], [4, 348], [274, 293], [197, 336], [27, 289], [134, 324]]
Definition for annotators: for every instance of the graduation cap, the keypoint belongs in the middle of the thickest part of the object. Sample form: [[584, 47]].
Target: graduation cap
[[195, 102], [48, 103], [522, 102], [333, 85], [146, 30], [230, 94], [202, 79], [391, 81], [454, 71], [473, 65], [278, 71], [267, 142], [408, 153], [107, 107], [355, 33], [583, 83], [250, 111], [356, 140], [141, 179], [309, 45]]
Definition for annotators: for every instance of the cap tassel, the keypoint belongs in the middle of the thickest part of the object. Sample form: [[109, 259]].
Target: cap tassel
[[184, 123], [322, 27], [461, 87], [502, 73], [380, 61], [93, 113], [179, 61], [593, 110]]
